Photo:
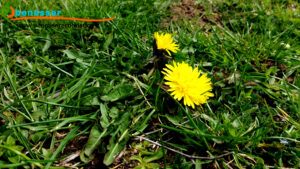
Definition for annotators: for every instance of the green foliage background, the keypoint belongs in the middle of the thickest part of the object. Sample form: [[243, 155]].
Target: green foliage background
[[87, 82]]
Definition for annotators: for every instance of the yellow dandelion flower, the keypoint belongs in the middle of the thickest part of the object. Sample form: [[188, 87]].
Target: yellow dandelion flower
[[187, 83], [165, 42]]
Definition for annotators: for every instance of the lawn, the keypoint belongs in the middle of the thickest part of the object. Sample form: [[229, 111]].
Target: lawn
[[107, 94]]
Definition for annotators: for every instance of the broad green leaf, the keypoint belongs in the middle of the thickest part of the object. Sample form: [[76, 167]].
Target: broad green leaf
[[10, 153], [94, 140], [156, 156], [84, 158], [14, 159], [139, 167], [137, 158], [144, 124], [174, 119], [114, 112], [47, 44], [90, 101], [108, 41], [115, 148], [118, 93], [153, 166], [10, 141], [212, 121], [232, 130], [47, 153], [104, 121], [36, 137], [71, 54]]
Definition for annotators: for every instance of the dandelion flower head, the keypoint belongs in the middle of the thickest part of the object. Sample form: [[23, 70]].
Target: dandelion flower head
[[165, 42], [187, 83]]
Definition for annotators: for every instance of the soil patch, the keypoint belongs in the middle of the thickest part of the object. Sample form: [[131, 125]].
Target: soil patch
[[190, 10]]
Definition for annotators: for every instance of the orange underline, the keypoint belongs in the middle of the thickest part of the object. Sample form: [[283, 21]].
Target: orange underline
[[63, 18]]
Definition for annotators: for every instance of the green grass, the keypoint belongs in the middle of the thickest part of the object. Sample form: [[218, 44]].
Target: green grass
[[82, 87]]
